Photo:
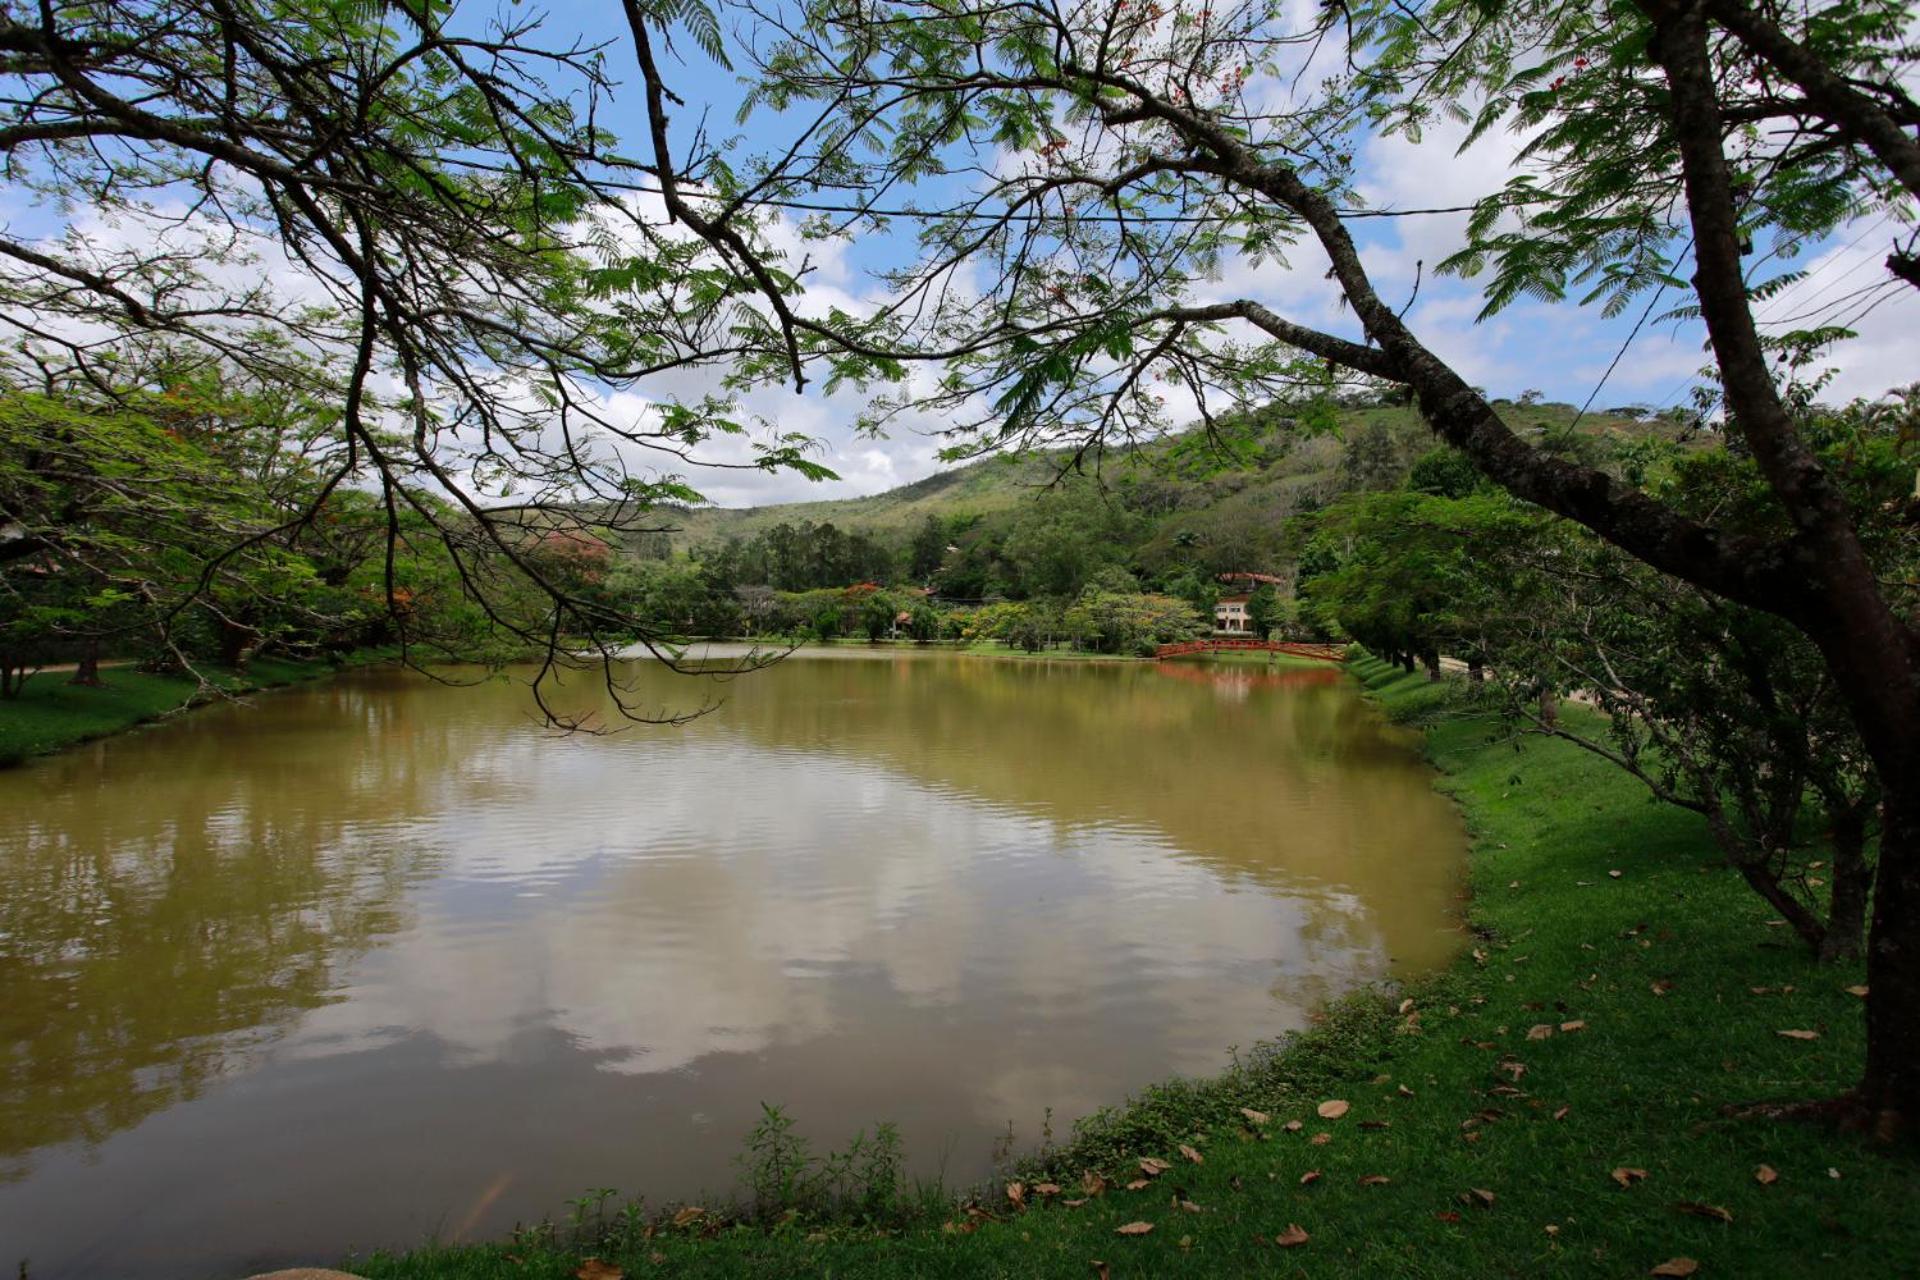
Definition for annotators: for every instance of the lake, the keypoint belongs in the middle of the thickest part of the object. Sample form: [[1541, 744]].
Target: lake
[[383, 959]]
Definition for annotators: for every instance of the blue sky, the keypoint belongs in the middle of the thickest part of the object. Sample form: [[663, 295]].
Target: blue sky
[[1561, 350]]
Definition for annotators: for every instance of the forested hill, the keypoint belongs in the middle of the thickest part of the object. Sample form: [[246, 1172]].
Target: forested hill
[[1220, 502]]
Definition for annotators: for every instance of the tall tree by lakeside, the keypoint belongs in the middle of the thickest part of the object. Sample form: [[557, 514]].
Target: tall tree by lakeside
[[409, 213], [1087, 172]]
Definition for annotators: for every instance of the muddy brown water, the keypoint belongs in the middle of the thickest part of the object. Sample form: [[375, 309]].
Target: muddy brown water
[[381, 960]]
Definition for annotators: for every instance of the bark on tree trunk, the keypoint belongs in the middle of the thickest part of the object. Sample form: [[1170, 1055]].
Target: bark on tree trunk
[[234, 642], [1476, 670], [1890, 1088], [1549, 708], [87, 670], [1852, 879], [1431, 661]]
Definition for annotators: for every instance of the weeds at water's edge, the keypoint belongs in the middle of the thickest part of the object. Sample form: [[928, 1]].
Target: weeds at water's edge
[[788, 1190]]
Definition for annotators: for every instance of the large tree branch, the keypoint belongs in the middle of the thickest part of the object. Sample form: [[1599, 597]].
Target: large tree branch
[[1829, 93], [1773, 576], [725, 239], [1353, 355]]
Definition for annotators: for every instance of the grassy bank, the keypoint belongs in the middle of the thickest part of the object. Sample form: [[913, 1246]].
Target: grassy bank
[[1473, 1145], [51, 713]]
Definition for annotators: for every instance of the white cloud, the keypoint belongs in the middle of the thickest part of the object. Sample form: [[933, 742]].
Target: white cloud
[[1848, 285]]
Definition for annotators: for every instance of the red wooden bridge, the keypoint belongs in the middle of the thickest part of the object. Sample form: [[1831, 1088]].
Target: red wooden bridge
[[1325, 652]]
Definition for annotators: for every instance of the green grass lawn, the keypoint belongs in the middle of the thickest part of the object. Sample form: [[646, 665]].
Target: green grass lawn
[[1595, 914], [51, 713]]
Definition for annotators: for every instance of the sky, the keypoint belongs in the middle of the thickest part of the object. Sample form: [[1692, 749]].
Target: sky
[[1563, 351]]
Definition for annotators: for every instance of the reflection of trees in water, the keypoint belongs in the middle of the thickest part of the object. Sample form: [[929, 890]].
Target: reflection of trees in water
[[171, 900], [1237, 678], [1289, 776]]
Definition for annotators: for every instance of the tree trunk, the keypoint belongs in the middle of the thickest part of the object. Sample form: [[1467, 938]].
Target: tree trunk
[[1852, 880], [1406, 662], [1890, 1089], [87, 670], [1874, 655], [1431, 661], [1549, 708], [235, 640], [1476, 670]]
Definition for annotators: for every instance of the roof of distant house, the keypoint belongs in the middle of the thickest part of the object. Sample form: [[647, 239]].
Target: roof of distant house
[[1266, 578]]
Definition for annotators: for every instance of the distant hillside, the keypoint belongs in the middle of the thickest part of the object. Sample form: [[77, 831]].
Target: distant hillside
[[1193, 490], [982, 487]]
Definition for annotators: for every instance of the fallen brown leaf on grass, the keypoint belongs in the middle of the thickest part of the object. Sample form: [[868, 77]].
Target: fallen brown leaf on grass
[[1294, 1126], [1570, 1027], [1074, 1204], [1700, 1210], [1627, 1177], [594, 1269], [1480, 1196], [1133, 1229], [1321, 1139], [1333, 1108], [1191, 1154], [1046, 1188], [1447, 1215], [688, 1215], [1292, 1237], [1661, 987], [1374, 1180], [1404, 1092], [1561, 1114], [1674, 1267], [1540, 1031], [1857, 991], [1255, 1117], [1092, 1183], [1153, 1166], [1139, 1184], [1101, 1270], [1017, 1194], [1310, 1176], [1766, 1175], [1799, 1035]]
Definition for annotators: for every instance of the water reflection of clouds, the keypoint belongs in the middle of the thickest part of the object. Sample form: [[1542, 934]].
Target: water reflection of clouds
[[951, 893], [671, 930]]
